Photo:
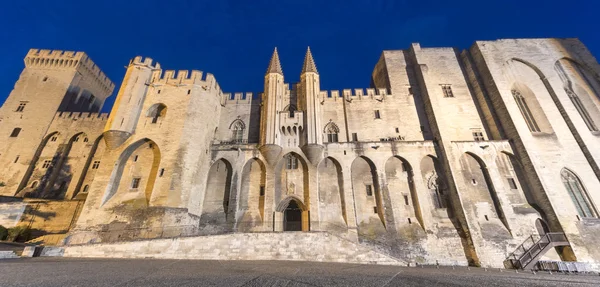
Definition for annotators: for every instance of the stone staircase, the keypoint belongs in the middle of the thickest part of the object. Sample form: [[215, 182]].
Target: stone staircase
[[295, 246], [8, 255]]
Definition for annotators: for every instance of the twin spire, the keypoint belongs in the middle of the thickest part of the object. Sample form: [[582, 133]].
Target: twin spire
[[309, 63], [308, 66]]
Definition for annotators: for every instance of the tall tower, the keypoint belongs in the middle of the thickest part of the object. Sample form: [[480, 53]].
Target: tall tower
[[310, 87], [271, 103], [130, 99], [52, 81]]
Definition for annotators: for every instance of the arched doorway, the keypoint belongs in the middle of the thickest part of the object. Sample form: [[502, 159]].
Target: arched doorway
[[292, 217], [541, 227]]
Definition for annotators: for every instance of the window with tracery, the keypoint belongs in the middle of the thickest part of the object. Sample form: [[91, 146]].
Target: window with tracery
[[578, 194], [332, 131], [237, 130], [582, 110], [525, 111]]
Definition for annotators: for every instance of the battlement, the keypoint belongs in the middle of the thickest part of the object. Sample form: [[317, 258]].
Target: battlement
[[148, 62], [82, 116], [61, 60], [185, 77], [351, 94], [239, 97]]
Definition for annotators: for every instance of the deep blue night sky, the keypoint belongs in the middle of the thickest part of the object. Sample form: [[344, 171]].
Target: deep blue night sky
[[234, 39]]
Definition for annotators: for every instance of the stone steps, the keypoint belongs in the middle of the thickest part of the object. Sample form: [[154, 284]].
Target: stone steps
[[8, 255], [295, 246]]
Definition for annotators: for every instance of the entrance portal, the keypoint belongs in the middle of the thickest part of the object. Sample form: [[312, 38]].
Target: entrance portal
[[292, 217]]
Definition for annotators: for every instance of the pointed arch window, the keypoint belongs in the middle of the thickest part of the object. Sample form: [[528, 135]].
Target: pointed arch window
[[525, 111], [291, 161], [237, 128], [582, 111], [332, 131], [578, 194]]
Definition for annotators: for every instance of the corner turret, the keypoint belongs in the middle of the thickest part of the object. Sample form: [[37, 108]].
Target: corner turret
[[130, 99]]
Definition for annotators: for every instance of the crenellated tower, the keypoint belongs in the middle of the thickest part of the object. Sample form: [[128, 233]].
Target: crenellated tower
[[130, 99]]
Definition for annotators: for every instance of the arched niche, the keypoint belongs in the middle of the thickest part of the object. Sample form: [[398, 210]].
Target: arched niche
[[367, 197], [332, 206], [529, 106], [480, 188], [215, 206], [252, 195], [582, 89], [141, 161], [94, 155], [400, 182], [292, 177]]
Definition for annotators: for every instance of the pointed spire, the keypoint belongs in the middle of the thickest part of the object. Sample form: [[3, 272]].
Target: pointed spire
[[274, 64], [309, 63]]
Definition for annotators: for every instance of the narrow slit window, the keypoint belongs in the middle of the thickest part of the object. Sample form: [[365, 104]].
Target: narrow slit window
[[47, 163], [512, 183], [162, 172], [96, 164], [406, 200], [15, 132], [377, 114], [369, 189], [16, 159], [354, 137], [135, 183]]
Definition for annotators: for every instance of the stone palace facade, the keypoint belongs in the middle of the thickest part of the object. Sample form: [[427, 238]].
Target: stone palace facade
[[448, 156]]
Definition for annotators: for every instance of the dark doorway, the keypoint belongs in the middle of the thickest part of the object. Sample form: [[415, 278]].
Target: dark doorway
[[541, 227], [292, 217]]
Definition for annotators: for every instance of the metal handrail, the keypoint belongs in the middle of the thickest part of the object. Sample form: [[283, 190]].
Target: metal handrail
[[520, 260]]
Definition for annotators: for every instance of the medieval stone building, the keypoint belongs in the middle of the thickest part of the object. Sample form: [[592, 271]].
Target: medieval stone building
[[449, 156]]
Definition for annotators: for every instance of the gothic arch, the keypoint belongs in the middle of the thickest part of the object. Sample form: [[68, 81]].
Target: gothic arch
[[87, 165], [583, 89], [60, 170], [367, 193], [237, 128], [566, 118], [217, 195], [116, 176], [291, 177], [400, 178], [578, 193], [532, 112], [283, 204], [331, 131], [331, 193], [476, 174], [252, 195], [34, 160]]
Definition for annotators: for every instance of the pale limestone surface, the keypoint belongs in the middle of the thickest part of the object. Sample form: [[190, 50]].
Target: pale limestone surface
[[415, 172]]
